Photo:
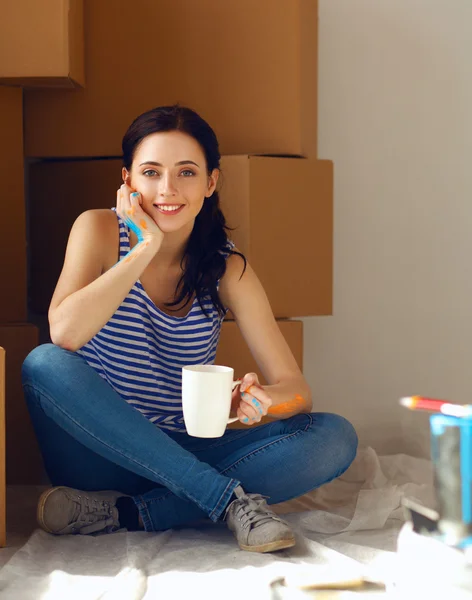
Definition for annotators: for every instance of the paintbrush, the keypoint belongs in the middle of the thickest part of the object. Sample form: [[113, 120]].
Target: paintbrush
[[438, 406]]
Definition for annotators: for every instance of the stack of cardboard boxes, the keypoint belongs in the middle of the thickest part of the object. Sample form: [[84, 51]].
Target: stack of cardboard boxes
[[45, 48], [249, 68]]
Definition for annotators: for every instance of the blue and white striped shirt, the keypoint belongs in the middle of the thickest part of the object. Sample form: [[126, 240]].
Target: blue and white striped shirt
[[140, 352]]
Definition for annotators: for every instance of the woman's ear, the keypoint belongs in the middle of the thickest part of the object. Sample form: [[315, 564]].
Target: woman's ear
[[212, 181], [126, 176]]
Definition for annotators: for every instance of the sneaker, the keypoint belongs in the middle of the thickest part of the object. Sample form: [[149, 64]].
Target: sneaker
[[255, 526], [63, 510]]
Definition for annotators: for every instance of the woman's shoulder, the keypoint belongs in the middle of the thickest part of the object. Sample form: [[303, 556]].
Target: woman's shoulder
[[98, 228], [102, 216], [236, 267], [97, 222], [227, 249]]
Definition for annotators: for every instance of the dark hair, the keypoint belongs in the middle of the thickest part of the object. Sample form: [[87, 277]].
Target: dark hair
[[203, 263]]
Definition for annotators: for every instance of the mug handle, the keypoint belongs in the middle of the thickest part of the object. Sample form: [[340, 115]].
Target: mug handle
[[234, 419]]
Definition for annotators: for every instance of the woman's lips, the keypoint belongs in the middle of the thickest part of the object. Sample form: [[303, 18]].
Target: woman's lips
[[169, 209]]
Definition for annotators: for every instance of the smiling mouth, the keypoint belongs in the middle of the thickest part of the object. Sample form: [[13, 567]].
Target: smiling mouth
[[169, 209]]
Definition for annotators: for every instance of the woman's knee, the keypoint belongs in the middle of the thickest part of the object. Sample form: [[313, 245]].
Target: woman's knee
[[41, 361], [340, 437]]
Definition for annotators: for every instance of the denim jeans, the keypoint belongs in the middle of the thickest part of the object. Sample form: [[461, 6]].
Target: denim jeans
[[91, 439]]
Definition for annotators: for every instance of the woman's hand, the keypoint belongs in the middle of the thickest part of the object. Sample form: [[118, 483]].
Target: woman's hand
[[128, 206], [251, 400]]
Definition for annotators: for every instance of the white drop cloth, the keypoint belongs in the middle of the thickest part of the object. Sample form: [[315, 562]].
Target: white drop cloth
[[349, 524]]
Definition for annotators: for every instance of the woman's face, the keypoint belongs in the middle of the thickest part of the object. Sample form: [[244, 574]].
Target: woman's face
[[169, 171]]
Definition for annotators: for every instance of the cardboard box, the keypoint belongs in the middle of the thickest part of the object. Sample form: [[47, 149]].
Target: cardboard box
[[58, 193], [23, 460], [282, 212], [3, 495], [233, 352], [249, 68], [42, 43], [281, 208], [12, 205]]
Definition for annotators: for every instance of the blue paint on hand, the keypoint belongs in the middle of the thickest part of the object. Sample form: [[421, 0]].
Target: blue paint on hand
[[135, 228]]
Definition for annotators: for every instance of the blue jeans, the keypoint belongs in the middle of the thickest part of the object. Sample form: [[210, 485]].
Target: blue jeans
[[91, 439]]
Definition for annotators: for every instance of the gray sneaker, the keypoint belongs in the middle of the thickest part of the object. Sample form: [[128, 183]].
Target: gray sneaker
[[63, 510], [255, 526]]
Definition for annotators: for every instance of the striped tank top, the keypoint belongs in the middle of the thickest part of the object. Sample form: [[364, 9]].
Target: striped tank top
[[140, 352]]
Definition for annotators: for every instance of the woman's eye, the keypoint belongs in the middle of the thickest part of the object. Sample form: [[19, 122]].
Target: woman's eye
[[149, 172], [187, 173]]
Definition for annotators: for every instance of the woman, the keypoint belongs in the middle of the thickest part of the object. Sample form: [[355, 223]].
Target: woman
[[143, 291]]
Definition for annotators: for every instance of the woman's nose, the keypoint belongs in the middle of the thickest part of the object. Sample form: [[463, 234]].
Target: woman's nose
[[167, 186]]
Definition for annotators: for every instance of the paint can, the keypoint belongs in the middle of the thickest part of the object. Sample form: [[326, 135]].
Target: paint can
[[451, 453]]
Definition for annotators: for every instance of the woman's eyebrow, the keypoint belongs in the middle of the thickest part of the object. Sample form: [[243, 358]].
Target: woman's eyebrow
[[182, 162]]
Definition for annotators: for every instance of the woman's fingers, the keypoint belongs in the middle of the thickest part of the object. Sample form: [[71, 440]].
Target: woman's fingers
[[252, 407], [123, 200], [248, 380], [119, 202], [257, 396], [255, 401], [254, 395], [248, 414], [129, 208]]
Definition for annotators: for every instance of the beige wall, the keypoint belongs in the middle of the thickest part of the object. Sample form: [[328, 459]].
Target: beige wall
[[395, 116]]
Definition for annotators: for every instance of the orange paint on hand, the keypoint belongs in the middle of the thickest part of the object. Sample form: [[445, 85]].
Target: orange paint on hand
[[131, 211], [143, 224], [287, 407]]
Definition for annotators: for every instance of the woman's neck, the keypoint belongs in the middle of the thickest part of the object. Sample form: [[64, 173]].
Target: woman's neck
[[171, 251]]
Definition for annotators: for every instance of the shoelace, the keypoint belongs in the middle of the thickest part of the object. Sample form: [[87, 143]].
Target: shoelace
[[252, 511], [92, 515]]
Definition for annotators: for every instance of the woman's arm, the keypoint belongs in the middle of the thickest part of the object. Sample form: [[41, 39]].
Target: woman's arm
[[85, 297], [286, 386]]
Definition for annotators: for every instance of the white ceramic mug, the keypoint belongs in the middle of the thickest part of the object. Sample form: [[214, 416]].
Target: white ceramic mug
[[206, 399]]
